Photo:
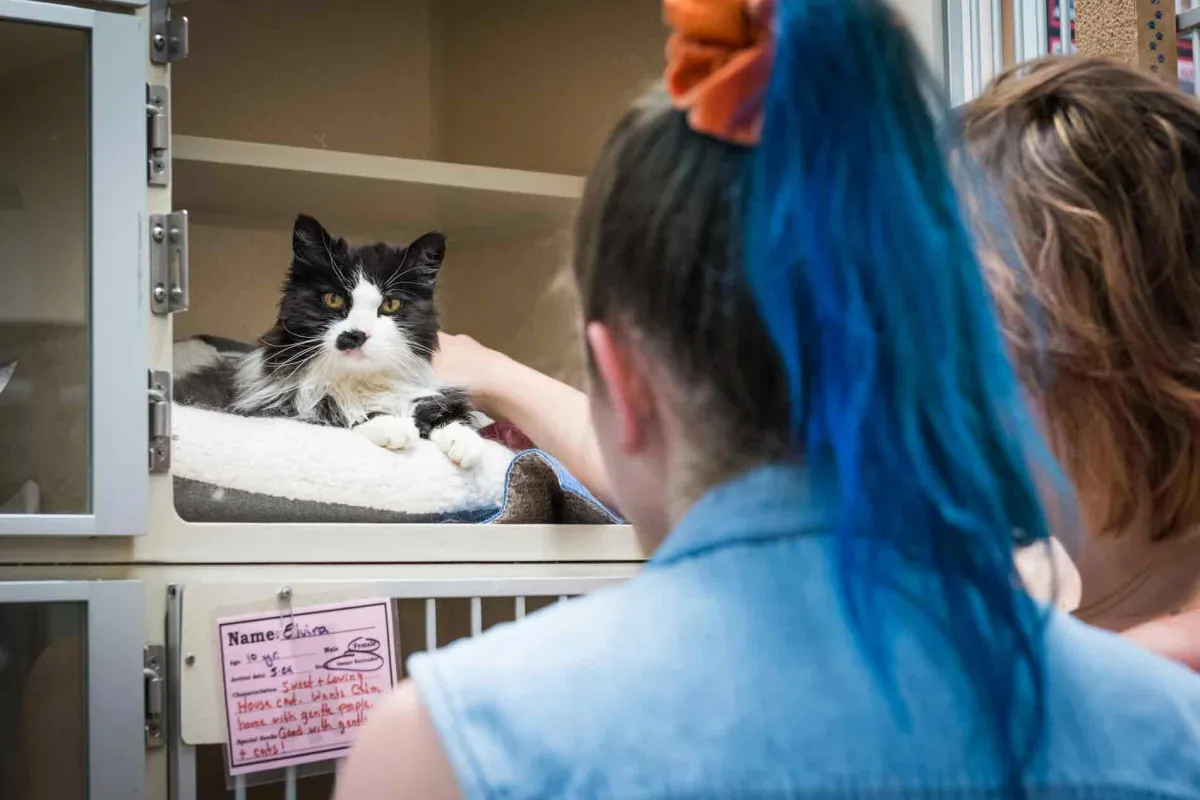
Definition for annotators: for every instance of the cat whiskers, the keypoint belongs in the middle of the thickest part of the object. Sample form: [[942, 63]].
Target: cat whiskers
[[296, 361], [402, 356], [400, 274], [305, 343], [418, 348], [308, 341]]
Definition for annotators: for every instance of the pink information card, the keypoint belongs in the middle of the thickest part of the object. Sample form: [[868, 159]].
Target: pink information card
[[299, 683]]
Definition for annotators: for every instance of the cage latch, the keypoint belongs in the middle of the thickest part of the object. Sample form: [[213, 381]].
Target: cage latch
[[154, 659], [160, 420], [169, 263], [168, 33], [158, 135]]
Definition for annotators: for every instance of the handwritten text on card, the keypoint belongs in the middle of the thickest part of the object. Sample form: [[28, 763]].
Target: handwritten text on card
[[300, 683]]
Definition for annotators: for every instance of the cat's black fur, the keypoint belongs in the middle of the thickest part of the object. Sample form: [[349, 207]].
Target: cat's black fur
[[208, 387], [451, 405], [271, 380]]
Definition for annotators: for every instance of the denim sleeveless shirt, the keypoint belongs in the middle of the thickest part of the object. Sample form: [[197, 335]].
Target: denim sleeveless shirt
[[727, 669]]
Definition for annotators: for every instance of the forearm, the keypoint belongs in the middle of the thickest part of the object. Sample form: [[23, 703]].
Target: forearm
[[555, 416]]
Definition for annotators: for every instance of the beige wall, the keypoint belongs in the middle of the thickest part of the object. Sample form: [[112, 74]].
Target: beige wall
[[538, 84], [531, 85], [534, 85], [352, 76], [516, 295]]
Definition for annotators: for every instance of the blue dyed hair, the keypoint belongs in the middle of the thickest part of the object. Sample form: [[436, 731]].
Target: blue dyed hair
[[901, 395], [819, 298]]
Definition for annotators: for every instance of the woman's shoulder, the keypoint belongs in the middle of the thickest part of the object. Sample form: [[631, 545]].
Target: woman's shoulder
[[1094, 667], [666, 676], [1116, 709]]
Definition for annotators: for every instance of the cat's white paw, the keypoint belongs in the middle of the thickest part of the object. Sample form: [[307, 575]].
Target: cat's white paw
[[461, 445], [394, 433]]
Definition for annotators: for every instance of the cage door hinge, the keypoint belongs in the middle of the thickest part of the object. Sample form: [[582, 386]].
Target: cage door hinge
[[169, 263], [160, 420], [168, 33], [158, 135], [154, 670]]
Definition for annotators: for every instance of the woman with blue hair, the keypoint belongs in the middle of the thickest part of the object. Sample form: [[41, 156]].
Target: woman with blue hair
[[804, 406]]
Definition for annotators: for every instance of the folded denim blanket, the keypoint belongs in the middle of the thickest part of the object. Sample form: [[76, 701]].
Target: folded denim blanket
[[538, 489]]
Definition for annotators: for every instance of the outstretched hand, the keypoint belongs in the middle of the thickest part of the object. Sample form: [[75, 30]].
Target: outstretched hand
[[554, 415], [466, 364]]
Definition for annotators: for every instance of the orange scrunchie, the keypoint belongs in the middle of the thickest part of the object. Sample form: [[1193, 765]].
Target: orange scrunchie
[[718, 64]]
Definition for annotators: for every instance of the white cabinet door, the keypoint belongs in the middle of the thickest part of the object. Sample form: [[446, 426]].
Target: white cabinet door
[[71, 690], [73, 285]]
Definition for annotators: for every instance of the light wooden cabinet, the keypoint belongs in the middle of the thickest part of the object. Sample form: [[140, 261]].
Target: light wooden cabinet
[[385, 120]]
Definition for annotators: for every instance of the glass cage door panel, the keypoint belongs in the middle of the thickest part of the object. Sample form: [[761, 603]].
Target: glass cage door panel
[[72, 327], [44, 402], [71, 704]]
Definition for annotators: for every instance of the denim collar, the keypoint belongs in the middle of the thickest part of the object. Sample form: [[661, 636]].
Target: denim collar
[[771, 502]]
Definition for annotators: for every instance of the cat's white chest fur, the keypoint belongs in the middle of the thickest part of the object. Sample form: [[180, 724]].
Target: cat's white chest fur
[[356, 396], [378, 406], [359, 397]]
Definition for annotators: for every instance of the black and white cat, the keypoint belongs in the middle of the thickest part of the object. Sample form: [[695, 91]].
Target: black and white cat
[[351, 347]]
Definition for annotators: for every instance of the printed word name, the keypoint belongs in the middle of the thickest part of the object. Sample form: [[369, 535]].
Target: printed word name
[[290, 631]]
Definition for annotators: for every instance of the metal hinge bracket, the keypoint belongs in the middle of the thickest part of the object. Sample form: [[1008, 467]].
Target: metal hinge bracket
[[158, 135], [160, 420], [154, 668], [168, 33], [169, 262]]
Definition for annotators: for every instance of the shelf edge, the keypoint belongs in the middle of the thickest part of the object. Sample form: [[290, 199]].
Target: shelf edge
[[384, 168]]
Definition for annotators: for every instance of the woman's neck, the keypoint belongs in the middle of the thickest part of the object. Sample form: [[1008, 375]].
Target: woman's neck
[[1129, 579]]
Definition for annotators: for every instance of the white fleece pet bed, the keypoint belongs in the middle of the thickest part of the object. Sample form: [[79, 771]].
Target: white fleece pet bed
[[299, 462], [230, 468]]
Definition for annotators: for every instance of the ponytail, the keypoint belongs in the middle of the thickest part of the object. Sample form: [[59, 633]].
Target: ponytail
[[902, 400]]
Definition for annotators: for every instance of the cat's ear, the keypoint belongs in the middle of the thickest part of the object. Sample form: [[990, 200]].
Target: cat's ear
[[311, 243], [424, 256]]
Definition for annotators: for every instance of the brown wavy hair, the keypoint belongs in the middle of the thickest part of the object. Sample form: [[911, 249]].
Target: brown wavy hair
[[1098, 168]]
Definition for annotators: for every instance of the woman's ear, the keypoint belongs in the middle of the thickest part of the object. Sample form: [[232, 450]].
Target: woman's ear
[[621, 372]]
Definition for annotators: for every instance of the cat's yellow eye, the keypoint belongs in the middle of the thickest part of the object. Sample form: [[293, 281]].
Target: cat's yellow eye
[[389, 306], [334, 301]]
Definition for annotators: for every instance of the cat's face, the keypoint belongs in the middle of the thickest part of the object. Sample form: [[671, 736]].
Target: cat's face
[[356, 310]]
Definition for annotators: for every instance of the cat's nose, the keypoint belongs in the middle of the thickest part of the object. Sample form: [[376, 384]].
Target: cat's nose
[[350, 340]]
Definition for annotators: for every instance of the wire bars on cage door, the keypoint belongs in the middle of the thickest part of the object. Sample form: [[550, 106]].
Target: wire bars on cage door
[[1188, 23], [516, 611], [984, 37]]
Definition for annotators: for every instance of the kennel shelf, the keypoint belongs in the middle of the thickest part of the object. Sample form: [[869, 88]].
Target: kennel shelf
[[265, 184]]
